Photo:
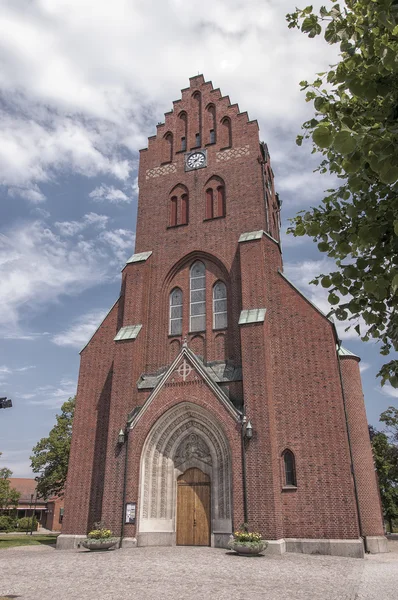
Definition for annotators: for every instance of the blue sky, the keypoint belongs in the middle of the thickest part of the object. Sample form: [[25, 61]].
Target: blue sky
[[83, 83]]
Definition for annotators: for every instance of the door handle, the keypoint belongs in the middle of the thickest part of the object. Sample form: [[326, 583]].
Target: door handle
[[194, 522]]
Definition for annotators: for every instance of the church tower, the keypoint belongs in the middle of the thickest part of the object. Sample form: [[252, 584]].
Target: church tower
[[211, 394]]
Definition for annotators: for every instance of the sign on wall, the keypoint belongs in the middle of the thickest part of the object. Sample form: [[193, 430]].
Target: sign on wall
[[130, 512]]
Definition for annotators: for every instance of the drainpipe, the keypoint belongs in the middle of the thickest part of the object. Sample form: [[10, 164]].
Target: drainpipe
[[351, 455], [126, 433], [244, 484]]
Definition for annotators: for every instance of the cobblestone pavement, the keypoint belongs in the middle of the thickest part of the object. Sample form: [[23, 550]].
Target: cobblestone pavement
[[42, 573]]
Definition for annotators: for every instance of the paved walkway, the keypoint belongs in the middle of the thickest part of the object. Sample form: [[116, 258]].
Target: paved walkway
[[42, 573]]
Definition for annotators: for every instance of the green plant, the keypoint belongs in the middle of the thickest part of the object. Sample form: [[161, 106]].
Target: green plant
[[100, 532], [6, 523], [25, 524], [245, 536]]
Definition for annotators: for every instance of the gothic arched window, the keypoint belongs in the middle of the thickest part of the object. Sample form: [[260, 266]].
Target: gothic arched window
[[183, 129], [178, 206], [220, 319], [175, 312], [197, 118], [168, 154], [215, 198], [289, 464], [211, 123], [226, 133], [197, 297]]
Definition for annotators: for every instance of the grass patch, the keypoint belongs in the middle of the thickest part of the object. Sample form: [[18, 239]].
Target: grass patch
[[27, 540]]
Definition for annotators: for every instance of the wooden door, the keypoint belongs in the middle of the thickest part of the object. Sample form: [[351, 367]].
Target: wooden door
[[193, 508]]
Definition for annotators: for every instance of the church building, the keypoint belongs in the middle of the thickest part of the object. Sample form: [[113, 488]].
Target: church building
[[214, 393]]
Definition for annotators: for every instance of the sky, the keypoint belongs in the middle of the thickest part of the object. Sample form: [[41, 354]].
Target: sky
[[83, 84]]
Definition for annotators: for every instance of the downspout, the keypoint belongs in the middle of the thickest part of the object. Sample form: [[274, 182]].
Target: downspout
[[350, 450], [124, 481], [244, 483]]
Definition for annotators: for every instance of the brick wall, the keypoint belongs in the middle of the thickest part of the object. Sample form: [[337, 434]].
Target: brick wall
[[365, 475]]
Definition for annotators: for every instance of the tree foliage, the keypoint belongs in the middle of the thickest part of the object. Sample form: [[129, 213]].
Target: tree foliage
[[355, 128], [385, 453], [51, 455], [9, 496]]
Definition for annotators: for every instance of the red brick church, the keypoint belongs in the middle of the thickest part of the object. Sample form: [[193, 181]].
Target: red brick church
[[214, 393]]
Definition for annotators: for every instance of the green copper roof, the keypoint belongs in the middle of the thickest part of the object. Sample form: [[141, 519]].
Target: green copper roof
[[344, 352], [251, 235], [253, 315], [129, 332], [142, 256]]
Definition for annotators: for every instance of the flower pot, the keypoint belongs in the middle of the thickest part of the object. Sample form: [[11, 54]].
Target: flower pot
[[247, 548], [94, 545]]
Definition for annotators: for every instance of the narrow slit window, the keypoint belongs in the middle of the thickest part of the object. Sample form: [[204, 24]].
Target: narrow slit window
[[212, 136], [173, 211], [197, 138], [184, 209], [209, 203], [198, 297], [176, 312], [290, 468], [220, 201], [220, 320]]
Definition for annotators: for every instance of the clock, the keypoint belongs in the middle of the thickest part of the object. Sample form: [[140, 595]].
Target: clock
[[195, 160]]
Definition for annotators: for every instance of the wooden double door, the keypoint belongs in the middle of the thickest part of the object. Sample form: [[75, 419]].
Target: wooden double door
[[193, 508]]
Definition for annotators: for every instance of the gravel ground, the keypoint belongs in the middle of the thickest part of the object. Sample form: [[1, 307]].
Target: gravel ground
[[43, 573]]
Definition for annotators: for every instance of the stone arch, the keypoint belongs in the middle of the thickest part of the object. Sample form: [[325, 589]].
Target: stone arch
[[185, 436]]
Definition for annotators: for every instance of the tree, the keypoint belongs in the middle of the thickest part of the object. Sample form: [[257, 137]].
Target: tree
[[9, 496], [355, 128], [386, 462], [51, 455]]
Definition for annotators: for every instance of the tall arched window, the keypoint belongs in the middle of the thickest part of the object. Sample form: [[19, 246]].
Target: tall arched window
[[178, 206], [215, 198], [210, 124], [168, 140], [220, 319], [175, 312], [226, 133], [290, 468], [183, 129], [198, 297], [197, 118]]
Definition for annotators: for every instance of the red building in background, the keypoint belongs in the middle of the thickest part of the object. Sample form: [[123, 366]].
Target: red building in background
[[214, 392]]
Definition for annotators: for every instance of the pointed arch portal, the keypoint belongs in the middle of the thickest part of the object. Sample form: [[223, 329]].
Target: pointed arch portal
[[185, 440]]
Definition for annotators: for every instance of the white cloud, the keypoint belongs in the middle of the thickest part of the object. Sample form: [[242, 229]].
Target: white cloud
[[388, 390], [33, 194], [70, 228], [8, 371], [38, 266], [363, 366], [78, 334], [110, 193], [53, 396], [72, 105]]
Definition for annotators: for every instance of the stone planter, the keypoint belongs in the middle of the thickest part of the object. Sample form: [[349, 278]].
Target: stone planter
[[247, 548], [104, 544]]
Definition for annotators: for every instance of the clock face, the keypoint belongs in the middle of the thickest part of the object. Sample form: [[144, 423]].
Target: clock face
[[196, 160]]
